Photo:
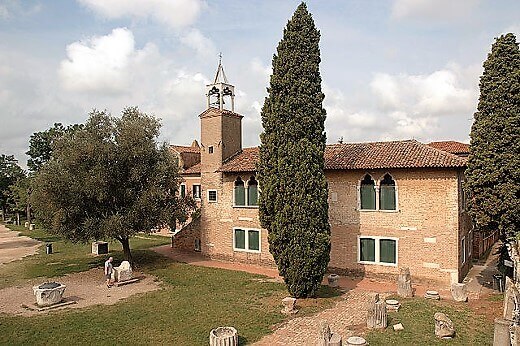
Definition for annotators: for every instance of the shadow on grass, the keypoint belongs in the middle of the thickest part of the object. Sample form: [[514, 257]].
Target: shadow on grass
[[328, 292]]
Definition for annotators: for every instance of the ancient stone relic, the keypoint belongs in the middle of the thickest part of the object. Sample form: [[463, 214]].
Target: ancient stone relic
[[333, 280], [392, 305], [123, 272], [458, 291], [443, 326], [49, 293], [376, 315], [100, 247], [398, 326], [404, 283], [356, 340], [324, 334], [288, 305], [223, 336], [432, 295]]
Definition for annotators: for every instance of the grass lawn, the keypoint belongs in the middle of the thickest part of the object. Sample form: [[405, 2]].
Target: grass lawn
[[416, 315], [67, 257], [191, 302]]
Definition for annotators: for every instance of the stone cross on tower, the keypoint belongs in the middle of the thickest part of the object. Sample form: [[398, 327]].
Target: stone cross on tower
[[219, 89]]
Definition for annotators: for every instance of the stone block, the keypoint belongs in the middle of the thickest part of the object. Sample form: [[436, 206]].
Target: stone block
[[404, 283], [335, 340], [333, 280], [100, 247], [432, 295], [398, 327], [356, 341], [289, 304], [443, 326], [223, 336], [123, 272], [49, 293], [324, 334], [458, 292], [502, 334]]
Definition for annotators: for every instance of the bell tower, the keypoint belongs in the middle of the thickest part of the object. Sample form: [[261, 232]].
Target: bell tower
[[220, 90]]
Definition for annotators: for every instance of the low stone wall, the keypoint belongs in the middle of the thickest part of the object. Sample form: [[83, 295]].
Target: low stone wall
[[185, 240]]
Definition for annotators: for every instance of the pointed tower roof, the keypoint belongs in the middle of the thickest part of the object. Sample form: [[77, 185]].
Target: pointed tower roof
[[220, 77]]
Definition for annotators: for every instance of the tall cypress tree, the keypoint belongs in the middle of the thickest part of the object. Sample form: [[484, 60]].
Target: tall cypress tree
[[493, 172], [293, 203]]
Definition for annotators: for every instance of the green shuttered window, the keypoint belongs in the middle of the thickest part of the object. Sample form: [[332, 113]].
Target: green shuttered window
[[378, 250], [368, 193], [247, 240], [387, 250], [387, 193], [240, 192]]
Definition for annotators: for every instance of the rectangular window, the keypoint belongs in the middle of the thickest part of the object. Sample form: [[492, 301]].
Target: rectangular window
[[252, 195], [212, 196], [368, 197], [378, 250], [196, 191], [246, 240], [210, 149], [183, 190], [240, 196], [367, 250], [387, 198], [387, 251]]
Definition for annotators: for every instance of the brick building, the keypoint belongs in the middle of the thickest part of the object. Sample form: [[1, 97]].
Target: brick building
[[391, 204]]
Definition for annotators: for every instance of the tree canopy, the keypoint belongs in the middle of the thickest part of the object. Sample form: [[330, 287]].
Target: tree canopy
[[293, 204], [493, 172], [40, 144], [110, 179], [10, 173]]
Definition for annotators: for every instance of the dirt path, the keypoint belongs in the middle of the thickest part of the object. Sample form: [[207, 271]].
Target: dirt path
[[85, 288], [14, 247]]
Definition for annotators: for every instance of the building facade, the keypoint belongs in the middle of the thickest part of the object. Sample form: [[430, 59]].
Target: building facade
[[391, 204]]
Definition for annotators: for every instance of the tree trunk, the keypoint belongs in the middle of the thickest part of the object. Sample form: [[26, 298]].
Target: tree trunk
[[3, 214], [127, 254], [28, 213], [18, 218]]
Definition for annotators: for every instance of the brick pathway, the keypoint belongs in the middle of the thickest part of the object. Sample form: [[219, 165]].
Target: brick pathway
[[347, 318]]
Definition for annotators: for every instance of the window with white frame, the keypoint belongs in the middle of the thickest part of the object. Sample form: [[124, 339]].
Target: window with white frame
[[367, 193], [245, 195], [245, 239], [212, 196], [377, 250], [196, 191], [387, 193]]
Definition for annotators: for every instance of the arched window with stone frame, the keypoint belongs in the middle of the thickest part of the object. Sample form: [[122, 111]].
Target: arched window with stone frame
[[239, 192], [387, 193], [367, 193], [252, 191]]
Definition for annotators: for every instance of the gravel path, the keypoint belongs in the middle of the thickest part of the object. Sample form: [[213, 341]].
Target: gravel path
[[14, 247]]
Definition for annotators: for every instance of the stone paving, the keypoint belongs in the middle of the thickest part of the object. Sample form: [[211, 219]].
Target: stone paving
[[14, 247], [347, 318]]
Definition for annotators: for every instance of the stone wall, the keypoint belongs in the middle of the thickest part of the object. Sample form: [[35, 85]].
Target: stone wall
[[184, 240]]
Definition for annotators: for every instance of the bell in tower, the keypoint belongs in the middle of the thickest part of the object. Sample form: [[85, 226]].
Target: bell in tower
[[220, 89]]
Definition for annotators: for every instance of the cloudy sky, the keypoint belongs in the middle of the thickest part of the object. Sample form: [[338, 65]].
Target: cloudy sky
[[391, 69]]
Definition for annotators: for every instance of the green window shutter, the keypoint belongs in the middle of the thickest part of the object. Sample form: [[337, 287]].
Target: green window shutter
[[387, 248], [240, 239], [253, 238], [387, 197], [252, 195], [240, 195], [183, 191], [368, 197], [368, 250]]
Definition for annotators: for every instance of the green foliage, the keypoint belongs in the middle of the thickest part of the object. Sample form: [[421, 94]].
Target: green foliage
[[41, 144], [493, 169], [110, 179], [10, 173], [18, 195], [293, 204]]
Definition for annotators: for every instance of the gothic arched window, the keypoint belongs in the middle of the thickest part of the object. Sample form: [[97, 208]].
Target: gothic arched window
[[240, 193], [387, 193], [252, 191], [367, 193]]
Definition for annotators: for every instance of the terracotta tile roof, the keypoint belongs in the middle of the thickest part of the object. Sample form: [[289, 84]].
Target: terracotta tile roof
[[396, 154], [453, 147], [185, 149], [192, 170]]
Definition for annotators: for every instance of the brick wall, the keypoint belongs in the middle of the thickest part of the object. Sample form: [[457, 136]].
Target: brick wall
[[185, 240], [426, 224]]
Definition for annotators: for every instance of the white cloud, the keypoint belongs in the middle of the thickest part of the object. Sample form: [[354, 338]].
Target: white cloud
[[204, 47], [432, 9], [174, 13], [15, 8]]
